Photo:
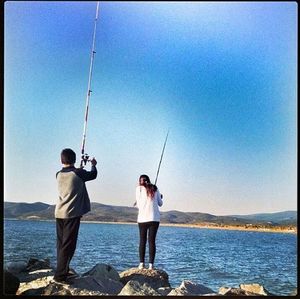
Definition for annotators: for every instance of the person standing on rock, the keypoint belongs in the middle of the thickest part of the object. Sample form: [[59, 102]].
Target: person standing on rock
[[73, 202], [148, 199]]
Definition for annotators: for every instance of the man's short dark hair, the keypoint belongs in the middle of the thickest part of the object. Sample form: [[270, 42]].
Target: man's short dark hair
[[68, 156]]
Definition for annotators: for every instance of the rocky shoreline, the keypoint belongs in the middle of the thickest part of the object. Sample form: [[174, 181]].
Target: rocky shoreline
[[35, 278]]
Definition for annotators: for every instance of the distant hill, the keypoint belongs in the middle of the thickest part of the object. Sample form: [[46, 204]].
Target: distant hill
[[286, 217], [16, 210], [101, 212]]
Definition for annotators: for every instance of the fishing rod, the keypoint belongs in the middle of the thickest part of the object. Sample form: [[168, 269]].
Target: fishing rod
[[84, 156], [162, 154]]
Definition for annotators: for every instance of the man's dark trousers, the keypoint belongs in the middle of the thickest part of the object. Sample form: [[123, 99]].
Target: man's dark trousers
[[67, 233]]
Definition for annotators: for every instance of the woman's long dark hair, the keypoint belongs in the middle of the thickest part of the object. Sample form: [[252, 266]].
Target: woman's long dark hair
[[150, 188]]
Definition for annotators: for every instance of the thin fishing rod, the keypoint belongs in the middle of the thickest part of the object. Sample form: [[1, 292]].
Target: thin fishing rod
[[162, 154], [84, 156]]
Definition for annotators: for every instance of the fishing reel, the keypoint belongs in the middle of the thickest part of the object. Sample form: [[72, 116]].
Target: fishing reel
[[84, 159]]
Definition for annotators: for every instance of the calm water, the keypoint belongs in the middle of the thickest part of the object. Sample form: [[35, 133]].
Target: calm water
[[213, 258]]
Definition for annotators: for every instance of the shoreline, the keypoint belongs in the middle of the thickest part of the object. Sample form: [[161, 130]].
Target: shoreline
[[229, 227], [201, 226]]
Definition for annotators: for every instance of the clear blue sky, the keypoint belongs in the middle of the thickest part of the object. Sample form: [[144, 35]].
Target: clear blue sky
[[220, 75]]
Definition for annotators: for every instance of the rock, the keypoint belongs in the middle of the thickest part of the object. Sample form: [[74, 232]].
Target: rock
[[135, 288], [33, 275], [255, 288], [16, 267], [190, 288], [294, 292], [87, 285], [102, 285], [36, 264], [103, 271], [11, 283], [34, 292], [164, 291], [155, 278], [227, 291], [35, 282], [55, 289], [176, 292]]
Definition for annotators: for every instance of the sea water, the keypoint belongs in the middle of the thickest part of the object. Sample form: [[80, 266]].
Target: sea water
[[210, 257]]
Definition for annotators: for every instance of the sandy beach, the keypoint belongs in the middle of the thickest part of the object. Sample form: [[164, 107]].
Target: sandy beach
[[225, 227]]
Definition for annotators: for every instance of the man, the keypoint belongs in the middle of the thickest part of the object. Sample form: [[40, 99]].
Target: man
[[73, 202]]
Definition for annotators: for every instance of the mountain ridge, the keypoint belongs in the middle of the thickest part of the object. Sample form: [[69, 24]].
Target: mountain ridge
[[110, 213]]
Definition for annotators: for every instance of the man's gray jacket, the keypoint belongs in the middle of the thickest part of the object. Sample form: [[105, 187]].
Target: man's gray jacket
[[73, 198]]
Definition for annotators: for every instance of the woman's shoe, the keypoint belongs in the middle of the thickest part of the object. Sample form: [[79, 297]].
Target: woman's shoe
[[141, 266], [151, 267]]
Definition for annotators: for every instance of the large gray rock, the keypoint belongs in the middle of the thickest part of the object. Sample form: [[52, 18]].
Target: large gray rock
[[189, 288], [35, 281], [103, 271], [155, 278], [84, 287], [16, 267], [135, 288], [33, 275], [255, 288], [228, 291], [164, 291], [37, 264], [11, 283], [54, 289], [102, 285], [87, 285], [60, 290]]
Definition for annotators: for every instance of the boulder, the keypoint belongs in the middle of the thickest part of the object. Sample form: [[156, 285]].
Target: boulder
[[135, 288], [228, 291], [102, 285], [255, 288], [55, 289], [189, 288], [33, 275], [294, 292], [35, 282], [155, 278], [36, 264], [164, 291], [88, 285], [16, 267], [11, 283], [103, 271]]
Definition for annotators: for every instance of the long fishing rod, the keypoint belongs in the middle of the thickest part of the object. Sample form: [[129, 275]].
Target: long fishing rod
[[84, 156], [162, 154]]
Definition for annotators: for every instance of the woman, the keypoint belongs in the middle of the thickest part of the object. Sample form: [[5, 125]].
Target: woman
[[148, 199]]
